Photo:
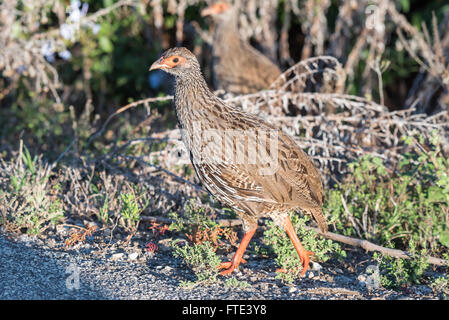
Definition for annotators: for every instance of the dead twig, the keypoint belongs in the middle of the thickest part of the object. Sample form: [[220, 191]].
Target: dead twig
[[369, 246]]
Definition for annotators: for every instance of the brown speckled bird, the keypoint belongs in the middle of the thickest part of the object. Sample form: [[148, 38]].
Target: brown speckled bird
[[237, 66], [246, 163]]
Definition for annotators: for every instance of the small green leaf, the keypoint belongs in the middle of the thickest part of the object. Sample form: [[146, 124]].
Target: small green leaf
[[408, 140], [435, 194], [405, 4], [105, 44], [444, 238]]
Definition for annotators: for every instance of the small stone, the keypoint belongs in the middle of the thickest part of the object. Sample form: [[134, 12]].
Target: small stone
[[292, 289], [423, 289], [338, 270], [133, 256], [90, 224], [51, 243], [316, 266], [24, 238], [311, 275], [264, 286], [117, 256], [361, 278], [61, 229]]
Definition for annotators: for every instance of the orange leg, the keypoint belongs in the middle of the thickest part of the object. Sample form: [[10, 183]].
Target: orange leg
[[234, 263], [303, 253]]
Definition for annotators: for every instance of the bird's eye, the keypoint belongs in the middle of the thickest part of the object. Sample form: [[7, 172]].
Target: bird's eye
[[175, 60]]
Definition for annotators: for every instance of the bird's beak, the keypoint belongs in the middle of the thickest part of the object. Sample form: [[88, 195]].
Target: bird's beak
[[159, 64]]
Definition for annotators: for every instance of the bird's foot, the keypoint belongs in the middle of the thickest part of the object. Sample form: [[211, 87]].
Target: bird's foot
[[238, 256], [305, 259], [229, 267]]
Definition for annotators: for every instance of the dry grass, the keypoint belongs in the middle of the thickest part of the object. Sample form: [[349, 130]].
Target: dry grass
[[121, 183]]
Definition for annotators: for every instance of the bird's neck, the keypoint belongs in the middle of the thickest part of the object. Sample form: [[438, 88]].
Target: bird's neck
[[189, 90], [227, 28], [193, 100]]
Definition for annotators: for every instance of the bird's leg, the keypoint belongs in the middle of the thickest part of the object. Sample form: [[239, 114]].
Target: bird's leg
[[234, 263], [303, 253]]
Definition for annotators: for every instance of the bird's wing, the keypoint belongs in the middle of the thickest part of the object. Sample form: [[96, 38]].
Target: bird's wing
[[299, 171], [261, 63], [290, 179]]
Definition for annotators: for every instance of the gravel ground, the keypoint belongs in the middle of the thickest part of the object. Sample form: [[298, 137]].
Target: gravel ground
[[33, 268]]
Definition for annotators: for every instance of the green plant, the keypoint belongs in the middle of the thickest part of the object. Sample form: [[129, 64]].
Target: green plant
[[233, 282], [131, 207], [404, 208], [27, 201], [194, 217], [400, 273], [198, 226], [393, 207], [286, 255], [103, 211], [440, 285], [201, 258]]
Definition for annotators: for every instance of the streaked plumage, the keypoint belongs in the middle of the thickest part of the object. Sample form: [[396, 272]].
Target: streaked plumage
[[266, 176]]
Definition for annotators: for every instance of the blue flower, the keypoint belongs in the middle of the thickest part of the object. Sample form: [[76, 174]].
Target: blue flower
[[50, 57], [95, 28], [66, 54], [67, 31], [47, 49], [75, 14]]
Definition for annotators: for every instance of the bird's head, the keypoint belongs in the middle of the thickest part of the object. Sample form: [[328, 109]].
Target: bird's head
[[217, 10], [177, 61]]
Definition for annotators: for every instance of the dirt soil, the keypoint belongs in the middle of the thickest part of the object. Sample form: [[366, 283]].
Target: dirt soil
[[107, 268]]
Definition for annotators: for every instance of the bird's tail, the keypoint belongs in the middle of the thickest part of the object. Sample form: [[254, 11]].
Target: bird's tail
[[318, 216]]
